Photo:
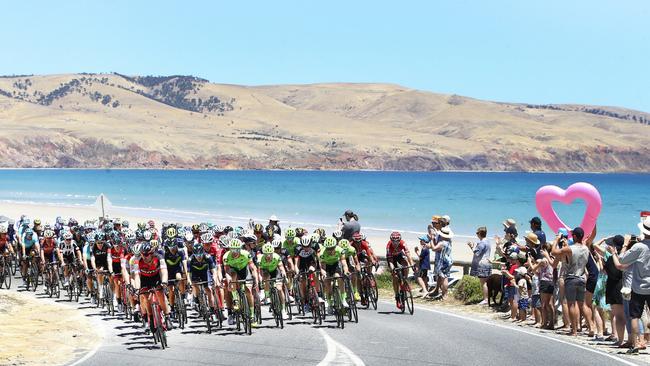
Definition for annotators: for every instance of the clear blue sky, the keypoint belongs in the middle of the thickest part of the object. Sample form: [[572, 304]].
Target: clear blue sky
[[566, 51]]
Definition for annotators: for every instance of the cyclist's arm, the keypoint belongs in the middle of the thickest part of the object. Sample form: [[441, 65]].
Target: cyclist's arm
[[92, 261], [253, 269], [59, 255], [163, 271], [344, 265], [41, 252], [125, 273], [109, 260], [282, 270]]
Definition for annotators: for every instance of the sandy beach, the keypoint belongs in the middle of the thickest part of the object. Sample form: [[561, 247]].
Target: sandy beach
[[48, 213]]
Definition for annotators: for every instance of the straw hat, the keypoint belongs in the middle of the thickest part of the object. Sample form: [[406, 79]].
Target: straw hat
[[532, 238], [509, 222]]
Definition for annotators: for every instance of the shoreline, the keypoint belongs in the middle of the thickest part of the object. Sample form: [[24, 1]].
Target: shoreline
[[626, 172]]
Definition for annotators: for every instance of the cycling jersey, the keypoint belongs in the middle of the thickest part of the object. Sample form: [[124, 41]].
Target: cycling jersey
[[350, 252], [3, 243], [116, 253], [29, 243], [100, 255], [238, 263], [201, 267], [291, 245], [270, 264], [149, 271], [307, 258], [68, 249], [362, 248], [331, 258], [395, 250]]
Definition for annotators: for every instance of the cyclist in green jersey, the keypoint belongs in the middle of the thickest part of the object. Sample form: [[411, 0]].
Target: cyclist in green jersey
[[350, 255], [237, 263], [332, 265], [291, 244], [270, 264]]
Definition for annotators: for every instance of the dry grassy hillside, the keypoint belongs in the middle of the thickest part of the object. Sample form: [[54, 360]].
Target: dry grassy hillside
[[113, 120]]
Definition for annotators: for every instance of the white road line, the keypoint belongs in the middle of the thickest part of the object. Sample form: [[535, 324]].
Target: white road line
[[333, 347], [615, 358]]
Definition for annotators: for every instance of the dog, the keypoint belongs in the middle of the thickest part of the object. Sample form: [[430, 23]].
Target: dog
[[494, 289]]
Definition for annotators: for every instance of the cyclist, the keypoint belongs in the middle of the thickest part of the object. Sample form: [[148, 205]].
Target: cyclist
[[203, 268], [115, 256], [86, 253], [291, 243], [365, 253], [49, 248], [270, 265], [5, 245], [176, 265], [68, 253], [150, 273], [332, 258], [237, 264], [307, 263], [28, 243], [99, 259], [350, 255], [397, 255]]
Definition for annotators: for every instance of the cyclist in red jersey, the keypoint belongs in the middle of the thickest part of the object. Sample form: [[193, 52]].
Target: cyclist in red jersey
[[364, 251], [49, 249], [5, 247], [115, 257], [397, 254], [150, 272]]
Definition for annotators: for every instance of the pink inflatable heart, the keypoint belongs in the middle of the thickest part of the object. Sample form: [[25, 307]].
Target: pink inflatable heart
[[546, 195]]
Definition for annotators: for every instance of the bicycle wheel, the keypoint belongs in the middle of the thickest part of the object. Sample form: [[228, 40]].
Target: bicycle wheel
[[14, 264], [178, 304], [7, 279], [338, 308], [258, 310], [373, 292], [33, 277], [56, 286], [275, 303], [108, 297], [2, 271], [409, 299], [287, 304], [246, 312]]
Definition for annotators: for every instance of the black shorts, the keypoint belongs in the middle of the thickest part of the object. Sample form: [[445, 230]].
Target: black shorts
[[68, 259], [117, 268], [241, 273], [591, 285], [173, 270], [636, 304], [202, 276], [49, 258], [331, 269], [613, 295], [546, 287], [424, 274], [149, 282], [271, 274], [101, 264], [305, 263]]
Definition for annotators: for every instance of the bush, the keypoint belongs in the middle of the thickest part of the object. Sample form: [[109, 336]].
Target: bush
[[469, 290], [384, 280]]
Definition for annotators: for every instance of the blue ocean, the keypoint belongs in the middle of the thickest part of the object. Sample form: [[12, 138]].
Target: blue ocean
[[384, 201]]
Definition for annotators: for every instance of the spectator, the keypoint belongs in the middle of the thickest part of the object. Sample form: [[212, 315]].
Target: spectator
[[522, 287], [613, 296], [434, 227], [543, 268], [510, 286], [424, 264], [273, 227], [481, 265], [639, 258], [443, 261], [576, 257], [536, 227], [350, 224]]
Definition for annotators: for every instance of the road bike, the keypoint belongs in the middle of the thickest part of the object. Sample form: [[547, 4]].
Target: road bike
[[156, 317], [405, 295]]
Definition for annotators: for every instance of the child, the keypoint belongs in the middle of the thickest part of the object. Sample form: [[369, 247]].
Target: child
[[522, 286], [536, 302]]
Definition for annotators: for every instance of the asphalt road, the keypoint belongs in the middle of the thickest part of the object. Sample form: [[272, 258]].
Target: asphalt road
[[381, 337]]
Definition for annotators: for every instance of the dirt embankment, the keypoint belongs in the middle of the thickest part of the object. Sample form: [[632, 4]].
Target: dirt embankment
[[36, 332]]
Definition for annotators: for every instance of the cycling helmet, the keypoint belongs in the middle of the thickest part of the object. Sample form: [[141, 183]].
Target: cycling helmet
[[290, 233], [146, 249], [235, 244], [108, 227], [59, 220], [146, 235], [305, 241], [344, 244], [189, 236], [330, 242], [300, 231], [337, 234], [315, 238], [72, 222], [224, 241], [258, 228], [130, 236], [197, 249], [395, 236], [48, 234], [136, 249], [27, 221], [356, 237], [206, 238], [154, 243], [232, 235], [67, 236], [195, 227], [218, 229], [249, 238], [363, 236], [227, 229], [267, 249], [37, 222], [29, 232], [171, 232], [99, 236], [165, 225], [276, 243], [3, 229], [203, 227], [141, 225], [151, 223], [125, 223]]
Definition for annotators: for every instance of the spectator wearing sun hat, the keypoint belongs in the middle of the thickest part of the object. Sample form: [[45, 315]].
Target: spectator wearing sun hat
[[510, 286], [443, 261]]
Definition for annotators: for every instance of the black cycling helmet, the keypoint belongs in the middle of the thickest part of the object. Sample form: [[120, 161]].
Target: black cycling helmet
[[146, 249]]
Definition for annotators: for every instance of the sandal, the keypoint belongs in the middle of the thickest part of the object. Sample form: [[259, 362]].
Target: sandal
[[625, 345]]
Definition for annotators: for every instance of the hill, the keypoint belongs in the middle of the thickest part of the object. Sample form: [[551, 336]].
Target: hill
[[120, 121]]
